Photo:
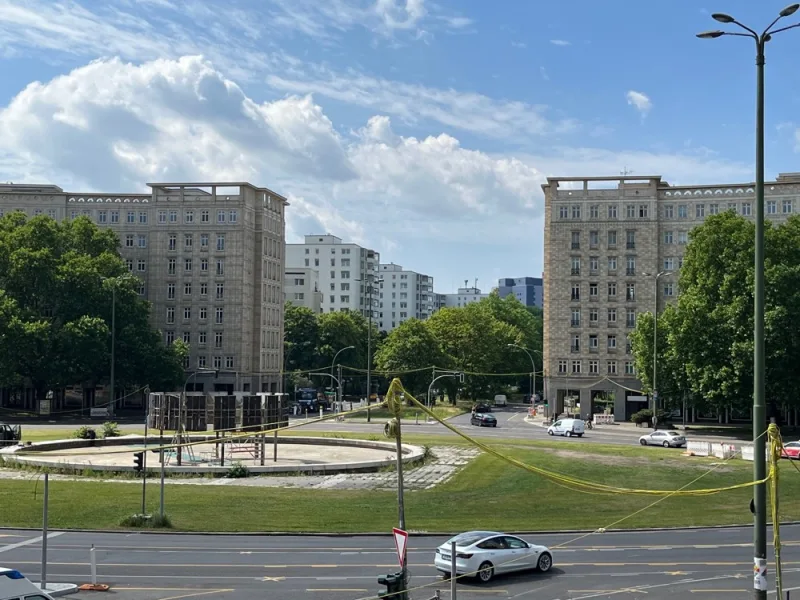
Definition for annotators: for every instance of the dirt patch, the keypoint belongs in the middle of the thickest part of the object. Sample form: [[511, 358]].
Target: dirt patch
[[613, 460]]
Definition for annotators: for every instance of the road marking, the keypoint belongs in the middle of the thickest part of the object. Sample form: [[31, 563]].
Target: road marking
[[273, 578], [30, 541], [195, 594], [717, 591], [514, 416], [337, 590], [676, 572], [159, 589]]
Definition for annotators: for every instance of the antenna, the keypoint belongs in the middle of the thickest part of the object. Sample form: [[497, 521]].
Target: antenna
[[625, 172], [476, 283], [466, 283]]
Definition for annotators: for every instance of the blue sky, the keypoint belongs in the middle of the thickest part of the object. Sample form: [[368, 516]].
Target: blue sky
[[423, 129]]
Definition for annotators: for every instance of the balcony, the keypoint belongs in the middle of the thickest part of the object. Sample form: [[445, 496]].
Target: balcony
[[630, 272], [594, 349], [575, 271], [575, 323], [575, 349], [630, 245], [576, 245]]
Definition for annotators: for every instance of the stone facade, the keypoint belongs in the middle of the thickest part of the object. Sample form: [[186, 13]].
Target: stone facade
[[613, 248]]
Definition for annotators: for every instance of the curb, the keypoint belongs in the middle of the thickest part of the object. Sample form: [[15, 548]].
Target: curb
[[63, 589], [384, 534]]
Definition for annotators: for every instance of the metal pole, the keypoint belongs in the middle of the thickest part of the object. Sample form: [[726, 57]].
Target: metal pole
[[655, 350], [275, 447], [44, 529], [339, 386], [759, 407], [453, 576], [161, 416], [93, 562], [369, 350], [401, 510], [112, 405], [144, 465], [263, 434]]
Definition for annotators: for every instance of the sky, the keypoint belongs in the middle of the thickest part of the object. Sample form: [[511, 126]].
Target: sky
[[423, 129]]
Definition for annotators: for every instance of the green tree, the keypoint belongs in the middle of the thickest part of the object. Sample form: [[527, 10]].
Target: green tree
[[408, 347], [301, 338], [57, 282]]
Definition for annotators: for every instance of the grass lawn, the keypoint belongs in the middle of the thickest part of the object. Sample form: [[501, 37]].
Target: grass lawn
[[443, 411], [488, 493]]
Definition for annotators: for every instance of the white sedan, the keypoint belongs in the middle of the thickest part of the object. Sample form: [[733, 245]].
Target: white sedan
[[487, 553], [668, 439]]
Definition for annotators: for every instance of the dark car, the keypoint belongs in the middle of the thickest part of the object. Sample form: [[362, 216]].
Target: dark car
[[481, 408], [483, 419]]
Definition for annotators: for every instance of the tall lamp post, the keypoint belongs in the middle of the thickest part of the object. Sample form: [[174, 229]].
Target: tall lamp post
[[655, 277], [113, 399], [759, 363], [370, 283], [335, 356], [533, 367]]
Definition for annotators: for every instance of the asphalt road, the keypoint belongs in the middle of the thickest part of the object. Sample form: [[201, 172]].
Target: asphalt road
[[703, 564]]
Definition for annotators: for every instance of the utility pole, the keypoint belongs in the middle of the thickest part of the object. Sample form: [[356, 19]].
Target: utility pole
[[113, 403], [339, 387], [370, 283], [401, 511]]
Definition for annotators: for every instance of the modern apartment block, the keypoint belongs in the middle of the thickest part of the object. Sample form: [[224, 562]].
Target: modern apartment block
[[606, 241], [301, 288], [345, 271], [403, 295], [210, 257], [464, 296], [528, 290]]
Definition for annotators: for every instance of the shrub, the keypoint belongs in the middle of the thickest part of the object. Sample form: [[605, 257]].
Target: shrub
[[237, 471], [646, 416], [147, 521], [84, 432], [110, 429]]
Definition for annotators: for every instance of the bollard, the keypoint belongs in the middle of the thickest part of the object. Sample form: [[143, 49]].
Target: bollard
[[320, 412], [93, 562], [453, 576]]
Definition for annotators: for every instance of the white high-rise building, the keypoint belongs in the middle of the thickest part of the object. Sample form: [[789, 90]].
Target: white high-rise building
[[464, 296], [403, 295], [344, 271], [301, 288]]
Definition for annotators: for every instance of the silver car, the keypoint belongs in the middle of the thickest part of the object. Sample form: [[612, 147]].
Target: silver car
[[668, 439]]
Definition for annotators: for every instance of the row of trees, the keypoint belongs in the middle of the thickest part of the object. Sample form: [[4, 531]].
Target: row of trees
[[705, 339], [57, 282], [474, 338]]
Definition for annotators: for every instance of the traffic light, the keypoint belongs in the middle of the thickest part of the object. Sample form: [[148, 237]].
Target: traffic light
[[138, 462], [395, 586]]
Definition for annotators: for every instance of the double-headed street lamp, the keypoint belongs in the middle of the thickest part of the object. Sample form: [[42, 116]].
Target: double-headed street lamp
[[759, 363], [533, 367], [655, 277]]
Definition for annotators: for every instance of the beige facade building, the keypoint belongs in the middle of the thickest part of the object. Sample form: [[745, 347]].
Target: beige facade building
[[210, 257], [404, 295], [613, 248], [301, 288]]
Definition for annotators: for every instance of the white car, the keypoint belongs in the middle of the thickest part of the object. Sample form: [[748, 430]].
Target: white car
[[567, 427], [487, 553], [668, 439], [15, 586]]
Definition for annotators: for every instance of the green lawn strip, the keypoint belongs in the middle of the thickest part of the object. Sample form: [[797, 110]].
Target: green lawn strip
[[488, 493]]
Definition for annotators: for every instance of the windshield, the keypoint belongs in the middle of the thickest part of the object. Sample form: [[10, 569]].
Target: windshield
[[673, 434], [469, 538]]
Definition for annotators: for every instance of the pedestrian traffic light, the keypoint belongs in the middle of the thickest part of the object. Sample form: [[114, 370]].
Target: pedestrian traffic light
[[138, 462], [395, 586]]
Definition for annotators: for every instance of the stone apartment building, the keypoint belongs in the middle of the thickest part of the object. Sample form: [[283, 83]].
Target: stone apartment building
[[210, 257], [613, 248]]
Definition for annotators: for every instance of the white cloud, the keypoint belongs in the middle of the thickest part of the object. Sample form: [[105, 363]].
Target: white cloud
[[639, 101], [520, 45], [560, 42]]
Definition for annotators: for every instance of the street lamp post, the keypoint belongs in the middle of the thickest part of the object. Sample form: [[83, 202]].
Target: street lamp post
[[533, 367], [759, 363], [655, 277], [113, 400], [335, 356], [370, 283]]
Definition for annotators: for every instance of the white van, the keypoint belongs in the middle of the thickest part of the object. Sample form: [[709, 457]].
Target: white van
[[15, 586], [567, 427], [500, 400]]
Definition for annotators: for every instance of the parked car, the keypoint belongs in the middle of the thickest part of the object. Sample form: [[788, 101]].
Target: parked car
[[500, 400], [481, 408], [567, 427], [15, 586], [483, 420], [791, 450], [668, 439], [484, 554]]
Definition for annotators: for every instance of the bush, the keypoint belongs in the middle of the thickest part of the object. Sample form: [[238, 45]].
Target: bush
[[85, 432], [646, 416], [237, 471], [110, 430], [147, 521]]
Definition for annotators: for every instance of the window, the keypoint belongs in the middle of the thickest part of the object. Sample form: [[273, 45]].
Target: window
[[594, 239], [170, 314], [220, 291], [217, 361], [630, 317], [188, 241], [187, 337], [643, 211], [594, 211], [220, 216], [683, 237], [141, 240], [129, 241], [219, 317], [575, 345], [630, 369], [612, 315], [187, 288], [611, 342], [170, 291], [130, 216], [593, 316], [51, 212], [220, 241], [667, 237], [682, 211], [747, 209], [732, 206], [162, 216], [204, 216], [630, 239], [346, 275], [142, 217], [333, 275], [772, 207], [203, 313], [228, 362], [171, 266], [576, 211], [680, 262], [129, 264], [576, 291], [220, 266], [611, 367], [594, 367], [592, 291], [576, 240], [575, 321], [204, 289], [233, 216], [630, 265], [630, 292], [187, 313], [713, 209], [201, 338], [217, 339], [669, 263], [787, 207], [562, 366], [669, 289], [102, 216], [345, 287], [170, 337], [612, 290], [115, 216], [630, 211], [172, 242], [593, 345], [187, 265], [204, 241], [188, 216], [612, 263], [669, 211], [173, 216], [201, 361], [141, 265], [576, 265], [563, 212], [576, 366], [594, 265], [699, 211], [344, 299], [612, 211], [612, 238]]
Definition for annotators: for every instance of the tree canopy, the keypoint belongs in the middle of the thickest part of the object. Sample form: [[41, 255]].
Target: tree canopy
[[57, 281]]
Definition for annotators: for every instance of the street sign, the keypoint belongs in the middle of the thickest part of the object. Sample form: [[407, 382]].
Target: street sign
[[400, 542]]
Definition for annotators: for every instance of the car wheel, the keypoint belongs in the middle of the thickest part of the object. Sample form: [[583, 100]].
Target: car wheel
[[445, 575], [568, 434], [549, 432], [494, 424], [485, 572], [544, 563], [580, 435], [666, 444], [643, 442]]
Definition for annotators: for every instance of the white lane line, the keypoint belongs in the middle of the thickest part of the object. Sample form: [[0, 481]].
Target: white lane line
[[29, 542]]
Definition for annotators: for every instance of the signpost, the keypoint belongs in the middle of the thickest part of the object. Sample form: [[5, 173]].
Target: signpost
[[401, 543]]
